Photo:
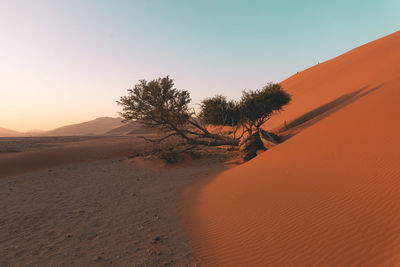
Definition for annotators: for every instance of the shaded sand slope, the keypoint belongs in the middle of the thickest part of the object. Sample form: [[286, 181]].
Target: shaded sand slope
[[97, 126], [330, 195], [7, 132], [12, 164]]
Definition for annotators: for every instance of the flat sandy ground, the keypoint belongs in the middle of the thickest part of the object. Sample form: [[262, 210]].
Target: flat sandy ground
[[84, 202]]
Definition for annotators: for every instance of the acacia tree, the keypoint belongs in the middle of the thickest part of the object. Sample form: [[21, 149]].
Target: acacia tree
[[159, 105], [218, 110], [256, 107], [250, 113]]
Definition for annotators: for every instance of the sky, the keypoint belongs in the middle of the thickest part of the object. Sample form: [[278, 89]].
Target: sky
[[64, 62]]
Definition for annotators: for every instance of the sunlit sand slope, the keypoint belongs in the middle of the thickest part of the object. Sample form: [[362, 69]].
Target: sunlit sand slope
[[330, 194]]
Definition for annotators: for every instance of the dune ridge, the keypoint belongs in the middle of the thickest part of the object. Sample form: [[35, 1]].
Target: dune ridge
[[7, 132], [98, 126], [64, 153], [329, 195]]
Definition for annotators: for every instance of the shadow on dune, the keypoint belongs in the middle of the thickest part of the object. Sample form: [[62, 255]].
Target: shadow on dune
[[315, 115]]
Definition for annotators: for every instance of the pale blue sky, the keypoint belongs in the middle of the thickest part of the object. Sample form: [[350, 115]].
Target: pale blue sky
[[69, 61]]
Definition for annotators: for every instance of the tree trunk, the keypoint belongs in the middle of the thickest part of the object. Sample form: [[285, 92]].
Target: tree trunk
[[251, 145]]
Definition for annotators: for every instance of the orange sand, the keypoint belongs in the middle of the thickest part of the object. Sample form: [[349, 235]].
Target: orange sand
[[330, 194], [13, 164]]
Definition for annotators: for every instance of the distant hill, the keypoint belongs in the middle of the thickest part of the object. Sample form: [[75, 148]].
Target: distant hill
[[9, 133], [34, 133], [97, 126], [130, 128], [100, 126]]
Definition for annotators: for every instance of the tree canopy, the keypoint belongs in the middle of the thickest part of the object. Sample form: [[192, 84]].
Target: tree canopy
[[160, 105], [157, 104], [252, 111]]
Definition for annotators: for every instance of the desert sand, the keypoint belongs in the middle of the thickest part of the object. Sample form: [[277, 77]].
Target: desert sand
[[330, 194], [99, 126], [24, 155], [85, 201]]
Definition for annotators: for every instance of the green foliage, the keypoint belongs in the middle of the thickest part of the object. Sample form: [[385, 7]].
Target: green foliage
[[156, 103], [257, 106], [159, 105], [253, 109], [218, 110]]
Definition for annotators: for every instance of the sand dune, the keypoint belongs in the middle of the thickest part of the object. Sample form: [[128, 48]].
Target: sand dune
[[130, 128], [67, 152], [330, 194], [7, 132], [97, 126]]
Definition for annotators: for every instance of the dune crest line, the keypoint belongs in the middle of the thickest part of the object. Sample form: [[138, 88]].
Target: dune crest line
[[329, 195]]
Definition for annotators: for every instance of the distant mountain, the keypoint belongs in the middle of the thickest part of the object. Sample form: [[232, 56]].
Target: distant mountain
[[9, 133], [97, 126], [130, 128], [34, 133]]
